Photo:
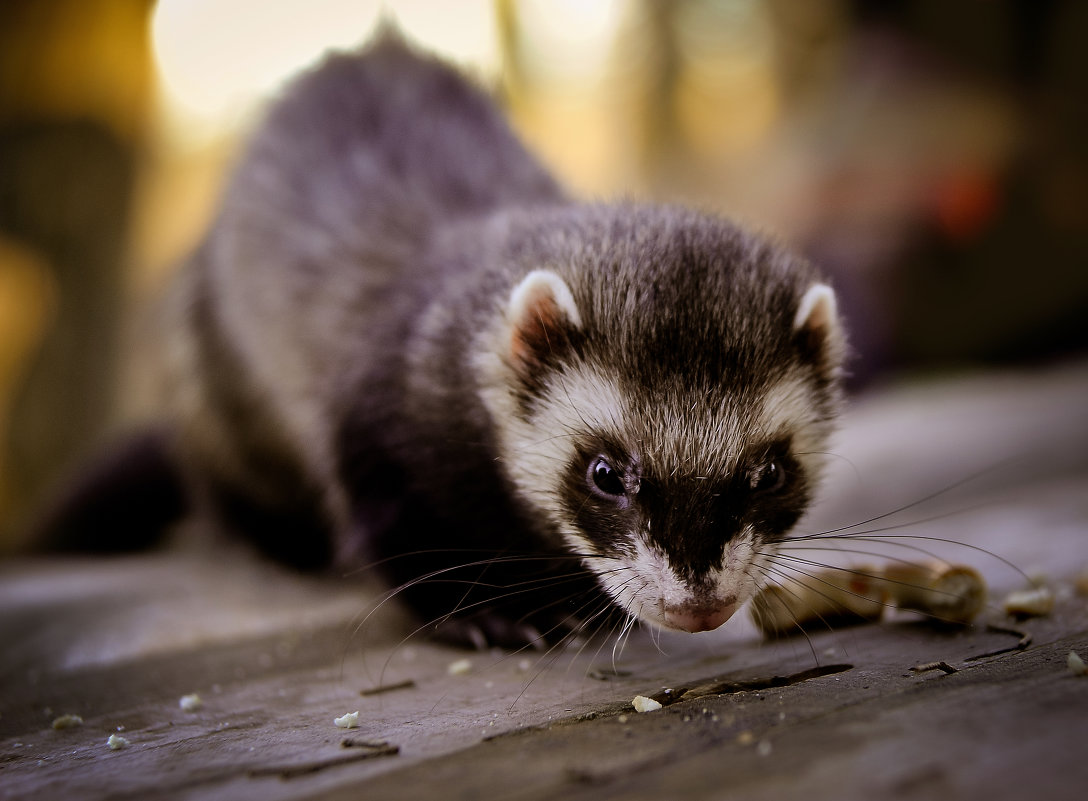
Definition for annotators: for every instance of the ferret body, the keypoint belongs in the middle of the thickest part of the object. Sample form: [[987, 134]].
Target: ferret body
[[402, 343]]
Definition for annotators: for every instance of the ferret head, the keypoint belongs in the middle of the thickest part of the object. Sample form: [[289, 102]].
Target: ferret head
[[662, 402]]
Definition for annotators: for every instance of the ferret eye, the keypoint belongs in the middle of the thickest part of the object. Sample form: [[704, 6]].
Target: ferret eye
[[770, 478], [606, 478]]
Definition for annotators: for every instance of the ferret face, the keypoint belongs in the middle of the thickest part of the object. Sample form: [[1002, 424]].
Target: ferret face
[[676, 501], [671, 455]]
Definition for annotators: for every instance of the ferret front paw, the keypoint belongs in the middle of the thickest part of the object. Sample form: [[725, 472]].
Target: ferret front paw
[[491, 629]]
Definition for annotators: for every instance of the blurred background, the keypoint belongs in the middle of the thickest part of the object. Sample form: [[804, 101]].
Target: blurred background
[[932, 157]]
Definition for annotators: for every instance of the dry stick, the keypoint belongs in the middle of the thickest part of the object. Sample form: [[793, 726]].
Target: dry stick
[[304, 768], [942, 666], [1024, 642], [388, 688]]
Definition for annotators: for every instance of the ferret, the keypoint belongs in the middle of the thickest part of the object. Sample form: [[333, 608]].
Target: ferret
[[402, 344]]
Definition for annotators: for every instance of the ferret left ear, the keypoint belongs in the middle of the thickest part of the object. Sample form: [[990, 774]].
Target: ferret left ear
[[817, 329], [543, 320]]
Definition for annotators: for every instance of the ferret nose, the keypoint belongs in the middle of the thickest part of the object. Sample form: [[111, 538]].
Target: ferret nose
[[698, 618]]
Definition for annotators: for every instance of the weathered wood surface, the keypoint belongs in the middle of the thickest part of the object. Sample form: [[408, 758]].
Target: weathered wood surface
[[276, 657]]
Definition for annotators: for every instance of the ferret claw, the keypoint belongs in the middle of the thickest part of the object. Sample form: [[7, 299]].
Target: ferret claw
[[490, 630]]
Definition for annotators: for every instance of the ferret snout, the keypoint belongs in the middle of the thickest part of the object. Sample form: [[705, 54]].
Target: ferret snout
[[693, 618]]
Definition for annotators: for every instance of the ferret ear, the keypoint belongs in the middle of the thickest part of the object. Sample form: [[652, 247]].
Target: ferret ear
[[543, 321], [817, 329]]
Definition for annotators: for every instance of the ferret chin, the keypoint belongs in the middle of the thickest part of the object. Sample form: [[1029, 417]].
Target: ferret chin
[[402, 343]]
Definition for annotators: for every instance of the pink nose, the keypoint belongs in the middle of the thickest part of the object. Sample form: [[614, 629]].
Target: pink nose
[[698, 618]]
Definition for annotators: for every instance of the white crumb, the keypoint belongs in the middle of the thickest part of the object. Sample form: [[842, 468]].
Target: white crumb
[[1076, 664], [1029, 603], [644, 704], [191, 702], [67, 722], [460, 667], [116, 742], [348, 721]]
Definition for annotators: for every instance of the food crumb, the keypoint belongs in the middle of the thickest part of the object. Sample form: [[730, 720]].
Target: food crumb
[[1076, 664], [348, 721], [644, 704], [622, 718], [116, 742], [764, 748], [1029, 603], [746, 738], [460, 667], [191, 702], [67, 722]]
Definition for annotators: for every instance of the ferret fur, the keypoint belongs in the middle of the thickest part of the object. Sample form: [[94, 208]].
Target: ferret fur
[[402, 341]]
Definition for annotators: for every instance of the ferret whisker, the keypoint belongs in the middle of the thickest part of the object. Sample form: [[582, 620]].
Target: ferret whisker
[[873, 554], [492, 557], [433, 577], [779, 571], [436, 623], [604, 614], [635, 618], [616, 592], [914, 549], [621, 640], [796, 622], [554, 652], [853, 571], [902, 541], [924, 499], [843, 534]]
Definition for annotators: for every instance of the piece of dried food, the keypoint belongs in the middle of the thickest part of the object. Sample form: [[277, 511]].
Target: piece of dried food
[[824, 598], [348, 721], [1036, 602], [949, 593], [460, 667], [644, 704]]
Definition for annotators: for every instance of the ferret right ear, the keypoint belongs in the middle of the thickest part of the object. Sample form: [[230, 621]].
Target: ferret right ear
[[817, 329], [543, 321]]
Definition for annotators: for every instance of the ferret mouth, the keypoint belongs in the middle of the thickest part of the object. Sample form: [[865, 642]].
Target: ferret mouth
[[694, 618]]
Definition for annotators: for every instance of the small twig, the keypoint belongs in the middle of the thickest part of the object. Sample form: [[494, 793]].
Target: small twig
[[668, 697], [351, 742], [304, 768], [928, 666], [388, 688], [607, 674], [1024, 642]]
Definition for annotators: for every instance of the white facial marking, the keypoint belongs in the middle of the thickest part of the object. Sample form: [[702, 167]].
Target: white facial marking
[[787, 409], [646, 585]]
